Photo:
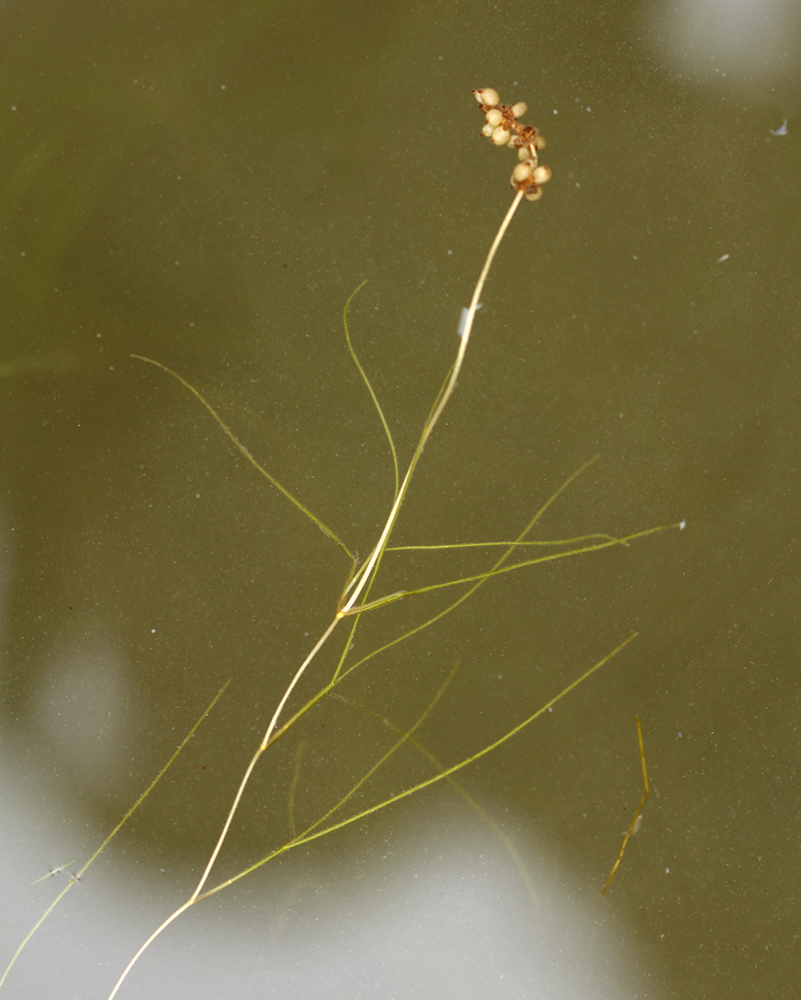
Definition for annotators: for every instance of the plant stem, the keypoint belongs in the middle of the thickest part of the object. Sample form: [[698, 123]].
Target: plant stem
[[254, 759], [372, 562], [363, 579]]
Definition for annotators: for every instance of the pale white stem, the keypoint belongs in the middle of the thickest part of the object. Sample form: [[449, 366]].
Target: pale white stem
[[147, 944], [232, 811], [367, 569], [294, 681], [359, 583], [262, 747], [471, 315], [369, 566]]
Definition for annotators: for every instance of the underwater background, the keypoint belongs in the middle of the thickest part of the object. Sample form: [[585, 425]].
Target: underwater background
[[206, 184]]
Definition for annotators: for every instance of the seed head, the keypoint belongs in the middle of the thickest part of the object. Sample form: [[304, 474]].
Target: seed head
[[502, 128]]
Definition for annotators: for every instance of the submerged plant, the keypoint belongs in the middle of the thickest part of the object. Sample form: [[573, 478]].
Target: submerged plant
[[502, 127]]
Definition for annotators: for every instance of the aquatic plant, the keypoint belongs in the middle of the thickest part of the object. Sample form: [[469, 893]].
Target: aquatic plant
[[359, 596]]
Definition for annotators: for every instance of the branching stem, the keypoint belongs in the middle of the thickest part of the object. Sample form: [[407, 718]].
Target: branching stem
[[362, 580]]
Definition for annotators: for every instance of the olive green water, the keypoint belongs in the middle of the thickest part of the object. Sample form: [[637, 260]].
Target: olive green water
[[207, 185]]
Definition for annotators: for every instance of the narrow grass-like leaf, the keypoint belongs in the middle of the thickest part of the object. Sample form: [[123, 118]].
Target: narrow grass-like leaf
[[414, 789], [244, 451], [404, 737], [299, 752], [113, 833], [373, 396], [459, 789], [552, 557], [552, 542]]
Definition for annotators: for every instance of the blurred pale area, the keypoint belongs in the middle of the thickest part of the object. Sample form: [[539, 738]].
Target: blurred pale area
[[734, 39], [438, 909]]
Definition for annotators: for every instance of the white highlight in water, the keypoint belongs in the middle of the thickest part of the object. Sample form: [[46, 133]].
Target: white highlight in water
[[463, 318], [750, 42]]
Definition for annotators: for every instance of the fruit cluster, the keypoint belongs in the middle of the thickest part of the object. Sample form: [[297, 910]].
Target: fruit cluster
[[503, 128]]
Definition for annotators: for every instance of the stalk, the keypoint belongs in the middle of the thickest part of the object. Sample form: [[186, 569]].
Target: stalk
[[502, 128]]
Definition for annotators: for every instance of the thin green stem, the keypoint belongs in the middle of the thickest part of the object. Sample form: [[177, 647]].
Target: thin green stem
[[113, 833]]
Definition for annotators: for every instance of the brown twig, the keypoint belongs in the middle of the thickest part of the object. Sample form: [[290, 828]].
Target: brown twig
[[634, 825]]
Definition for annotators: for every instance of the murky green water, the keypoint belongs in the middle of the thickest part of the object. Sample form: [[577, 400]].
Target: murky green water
[[206, 186]]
